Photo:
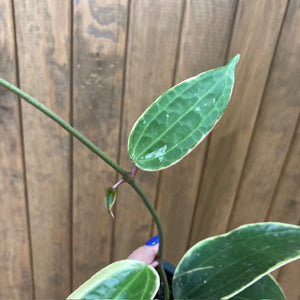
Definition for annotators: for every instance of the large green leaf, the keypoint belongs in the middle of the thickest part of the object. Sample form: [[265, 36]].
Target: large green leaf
[[265, 288], [222, 266], [181, 118], [124, 279]]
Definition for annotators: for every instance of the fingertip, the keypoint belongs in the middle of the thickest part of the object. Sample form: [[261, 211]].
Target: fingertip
[[155, 264]]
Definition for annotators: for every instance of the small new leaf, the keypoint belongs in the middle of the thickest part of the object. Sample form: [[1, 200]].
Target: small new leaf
[[110, 200]]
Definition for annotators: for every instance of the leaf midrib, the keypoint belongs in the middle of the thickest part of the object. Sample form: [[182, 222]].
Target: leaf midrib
[[129, 284], [166, 106], [183, 115], [150, 159]]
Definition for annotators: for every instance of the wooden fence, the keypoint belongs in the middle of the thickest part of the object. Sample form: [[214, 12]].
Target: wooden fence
[[99, 64]]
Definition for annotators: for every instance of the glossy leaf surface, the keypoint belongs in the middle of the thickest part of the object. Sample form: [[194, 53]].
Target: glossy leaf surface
[[110, 200], [220, 267], [125, 279], [265, 288], [181, 118]]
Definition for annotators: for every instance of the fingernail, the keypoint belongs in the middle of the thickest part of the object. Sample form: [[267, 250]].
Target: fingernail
[[153, 241]]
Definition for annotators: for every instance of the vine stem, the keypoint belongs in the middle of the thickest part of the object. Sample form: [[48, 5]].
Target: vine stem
[[63, 124], [126, 175], [155, 216]]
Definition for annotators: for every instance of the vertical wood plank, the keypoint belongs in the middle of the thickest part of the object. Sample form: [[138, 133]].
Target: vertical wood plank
[[99, 47], [273, 129], [205, 34], [15, 269], [255, 34], [151, 54], [43, 49], [286, 203], [286, 208]]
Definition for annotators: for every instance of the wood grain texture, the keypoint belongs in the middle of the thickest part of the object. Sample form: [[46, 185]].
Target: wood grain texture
[[43, 49], [273, 129], [99, 47], [285, 208], [205, 34], [286, 202], [254, 36], [15, 269], [252, 153], [151, 55]]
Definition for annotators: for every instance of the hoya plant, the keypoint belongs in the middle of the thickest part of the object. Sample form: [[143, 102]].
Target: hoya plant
[[235, 265]]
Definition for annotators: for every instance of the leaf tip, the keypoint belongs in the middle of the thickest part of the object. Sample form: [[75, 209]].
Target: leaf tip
[[234, 60]]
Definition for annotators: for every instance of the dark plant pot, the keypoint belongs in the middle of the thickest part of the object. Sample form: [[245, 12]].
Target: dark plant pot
[[169, 269]]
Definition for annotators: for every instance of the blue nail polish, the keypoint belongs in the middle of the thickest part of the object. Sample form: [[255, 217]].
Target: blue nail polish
[[153, 241]]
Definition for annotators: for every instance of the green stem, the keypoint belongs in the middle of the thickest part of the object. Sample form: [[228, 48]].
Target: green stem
[[63, 124], [104, 157], [155, 216]]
